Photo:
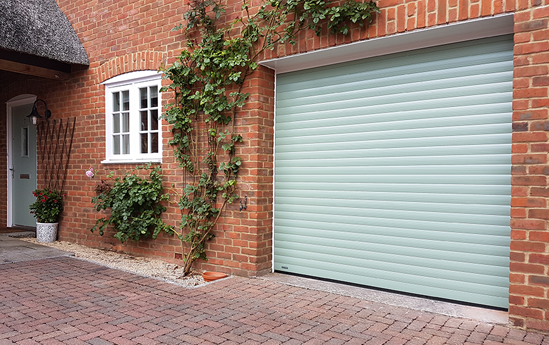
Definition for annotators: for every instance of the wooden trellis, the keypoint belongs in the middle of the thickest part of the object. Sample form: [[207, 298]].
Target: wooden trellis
[[54, 147]]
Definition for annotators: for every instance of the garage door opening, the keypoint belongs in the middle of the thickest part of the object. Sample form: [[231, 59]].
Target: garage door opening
[[395, 171]]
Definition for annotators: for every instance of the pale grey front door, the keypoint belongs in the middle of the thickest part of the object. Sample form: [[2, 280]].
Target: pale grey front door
[[23, 170]]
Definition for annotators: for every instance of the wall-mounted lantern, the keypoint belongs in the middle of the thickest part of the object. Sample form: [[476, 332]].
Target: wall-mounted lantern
[[34, 116]]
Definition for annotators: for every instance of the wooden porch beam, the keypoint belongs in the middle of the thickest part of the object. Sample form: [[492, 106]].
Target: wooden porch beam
[[21, 68]]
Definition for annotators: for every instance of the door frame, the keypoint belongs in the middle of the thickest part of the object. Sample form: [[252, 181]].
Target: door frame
[[14, 102]]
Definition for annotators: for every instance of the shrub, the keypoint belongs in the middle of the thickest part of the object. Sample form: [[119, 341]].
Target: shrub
[[48, 205], [135, 204]]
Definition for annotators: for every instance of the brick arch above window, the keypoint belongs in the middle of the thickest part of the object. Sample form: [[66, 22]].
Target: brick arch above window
[[140, 61]]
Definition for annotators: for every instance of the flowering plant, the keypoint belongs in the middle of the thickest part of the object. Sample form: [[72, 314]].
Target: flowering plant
[[48, 205]]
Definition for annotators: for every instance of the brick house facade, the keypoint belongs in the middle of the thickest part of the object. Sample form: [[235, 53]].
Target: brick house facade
[[123, 36]]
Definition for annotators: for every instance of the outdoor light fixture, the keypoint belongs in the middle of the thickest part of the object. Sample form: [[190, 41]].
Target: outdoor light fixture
[[34, 116]]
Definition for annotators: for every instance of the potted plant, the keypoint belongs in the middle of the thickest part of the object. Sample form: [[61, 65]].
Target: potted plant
[[46, 209]]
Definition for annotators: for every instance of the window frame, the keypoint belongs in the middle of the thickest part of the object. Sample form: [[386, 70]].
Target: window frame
[[131, 82]]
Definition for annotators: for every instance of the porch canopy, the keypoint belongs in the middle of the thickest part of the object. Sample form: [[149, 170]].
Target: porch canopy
[[36, 38]]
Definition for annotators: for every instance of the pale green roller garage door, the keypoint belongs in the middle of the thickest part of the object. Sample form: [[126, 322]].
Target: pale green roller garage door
[[395, 171]]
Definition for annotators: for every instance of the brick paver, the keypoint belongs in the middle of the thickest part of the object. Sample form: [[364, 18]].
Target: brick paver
[[67, 301]]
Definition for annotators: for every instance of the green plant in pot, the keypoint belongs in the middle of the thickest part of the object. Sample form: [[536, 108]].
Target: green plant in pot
[[46, 209]]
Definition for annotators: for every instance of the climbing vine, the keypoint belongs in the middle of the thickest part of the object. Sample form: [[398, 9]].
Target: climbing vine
[[207, 81]]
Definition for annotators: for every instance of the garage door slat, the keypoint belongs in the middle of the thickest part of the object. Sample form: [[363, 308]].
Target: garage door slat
[[465, 55], [367, 223], [436, 135], [393, 245], [372, 205], [464, 218], [480, 169], [399, 97], [396, 261], [462, 199], [463, 76], [397, 152], [455, 233], [400, 188], [392, 104], [395, 112]]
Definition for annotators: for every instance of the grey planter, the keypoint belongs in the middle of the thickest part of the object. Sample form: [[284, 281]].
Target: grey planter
[[46, 232]]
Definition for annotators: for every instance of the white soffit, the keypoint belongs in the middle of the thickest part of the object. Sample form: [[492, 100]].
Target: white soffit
[[417, 39]]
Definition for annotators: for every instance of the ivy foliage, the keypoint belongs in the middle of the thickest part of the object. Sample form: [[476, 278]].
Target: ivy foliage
[[288, 17], [135, 204], [207, 81]]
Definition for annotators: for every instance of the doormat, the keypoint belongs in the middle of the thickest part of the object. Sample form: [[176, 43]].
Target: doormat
[[15, 229]]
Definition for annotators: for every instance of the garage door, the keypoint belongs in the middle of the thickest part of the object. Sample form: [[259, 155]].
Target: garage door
[[395, 171]]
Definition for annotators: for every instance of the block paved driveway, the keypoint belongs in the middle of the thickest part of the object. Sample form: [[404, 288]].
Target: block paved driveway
[[67, 301]]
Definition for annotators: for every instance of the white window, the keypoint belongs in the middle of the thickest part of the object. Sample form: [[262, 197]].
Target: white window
[[132, 120]]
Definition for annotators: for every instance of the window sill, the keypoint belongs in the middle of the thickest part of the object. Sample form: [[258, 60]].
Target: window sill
[[132, 161]]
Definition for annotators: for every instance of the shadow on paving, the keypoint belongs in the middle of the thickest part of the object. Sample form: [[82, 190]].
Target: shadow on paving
[[14, 250], [68, 301]]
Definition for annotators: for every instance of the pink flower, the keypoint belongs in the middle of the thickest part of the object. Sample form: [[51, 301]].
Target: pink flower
[[90, 173]]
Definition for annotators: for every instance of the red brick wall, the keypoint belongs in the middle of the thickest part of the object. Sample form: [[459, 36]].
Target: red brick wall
[[122, 36], [529, 289]]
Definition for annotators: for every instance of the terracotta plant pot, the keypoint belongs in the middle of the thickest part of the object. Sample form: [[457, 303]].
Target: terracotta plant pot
[[210, 276]]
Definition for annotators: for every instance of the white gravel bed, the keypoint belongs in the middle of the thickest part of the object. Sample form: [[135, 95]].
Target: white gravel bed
[[146, 267]]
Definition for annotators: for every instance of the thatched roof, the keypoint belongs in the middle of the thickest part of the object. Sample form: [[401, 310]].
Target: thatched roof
[[39, 27]]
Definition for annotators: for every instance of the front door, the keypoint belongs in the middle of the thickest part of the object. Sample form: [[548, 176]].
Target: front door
[[23, 169]]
